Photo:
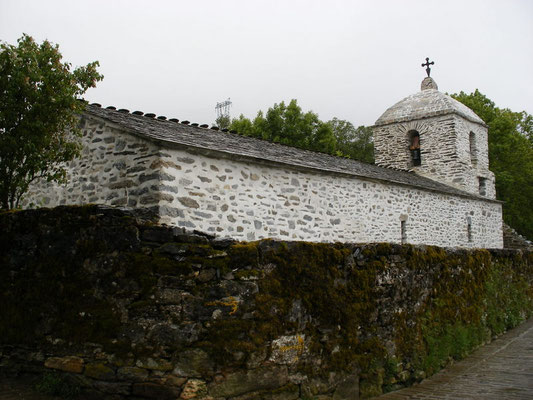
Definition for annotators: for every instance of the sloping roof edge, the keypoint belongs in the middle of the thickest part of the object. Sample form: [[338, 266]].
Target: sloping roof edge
[[234, 145], [430, 115], [425, 104]]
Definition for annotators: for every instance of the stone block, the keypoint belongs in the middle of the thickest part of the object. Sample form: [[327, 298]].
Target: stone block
[[172, 380], [241, 382], [194, 389], [289, 392], [112, 388], [99, 371], [288, 349], [132, 374], [206, 275], [67, 364], [312, 388], [148, 177], [170, 296], [193, 363], [155, 364], [158, 234], [188, 202], [155, 391], [175, 249], [348, 389], [122, 184]]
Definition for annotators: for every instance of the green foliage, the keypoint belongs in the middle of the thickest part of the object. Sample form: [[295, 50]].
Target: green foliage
[[356, 143], [495, 295], [288, 125], [223, 122], [507, 292], [38, 105], [449, 341], [511, 158], [54, 384]]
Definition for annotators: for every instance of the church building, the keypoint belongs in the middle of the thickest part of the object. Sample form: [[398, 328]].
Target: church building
[[430, 185]]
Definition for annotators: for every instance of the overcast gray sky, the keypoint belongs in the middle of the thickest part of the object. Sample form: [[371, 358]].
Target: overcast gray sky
[[345, 59]]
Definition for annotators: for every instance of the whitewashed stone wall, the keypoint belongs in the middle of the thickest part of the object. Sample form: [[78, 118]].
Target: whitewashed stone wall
[[250, 200], [115, 168], [445, 151], [479, 168]]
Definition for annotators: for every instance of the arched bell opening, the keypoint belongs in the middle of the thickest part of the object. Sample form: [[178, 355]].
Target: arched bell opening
[[414, 148]]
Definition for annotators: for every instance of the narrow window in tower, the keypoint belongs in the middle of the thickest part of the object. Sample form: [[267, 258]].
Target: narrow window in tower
[[414, 148], [469, 229], [473, 149], [403, 232], [482, 186]]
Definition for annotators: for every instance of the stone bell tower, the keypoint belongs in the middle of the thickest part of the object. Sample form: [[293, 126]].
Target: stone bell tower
[[431, 134]]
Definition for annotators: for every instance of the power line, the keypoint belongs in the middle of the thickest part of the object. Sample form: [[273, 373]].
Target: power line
[[222, 108]]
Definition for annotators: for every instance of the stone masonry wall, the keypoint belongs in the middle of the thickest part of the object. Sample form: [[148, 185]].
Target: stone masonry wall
[[513, 240], [391, 143], [103, 301], [250, 200], [115, 168], [480, 167], [445, 151]]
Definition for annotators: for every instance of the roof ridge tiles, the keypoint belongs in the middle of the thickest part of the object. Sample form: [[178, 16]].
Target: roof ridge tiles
[[156, 117]]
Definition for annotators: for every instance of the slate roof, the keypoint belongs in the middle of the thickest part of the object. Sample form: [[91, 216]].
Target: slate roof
[[424, 104], [184, 134]]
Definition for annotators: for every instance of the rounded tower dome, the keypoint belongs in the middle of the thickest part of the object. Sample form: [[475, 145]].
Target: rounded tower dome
[[434, 135], [427, 103]]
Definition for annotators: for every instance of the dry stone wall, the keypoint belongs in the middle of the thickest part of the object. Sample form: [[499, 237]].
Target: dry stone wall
[[118, 307], [513, 240]]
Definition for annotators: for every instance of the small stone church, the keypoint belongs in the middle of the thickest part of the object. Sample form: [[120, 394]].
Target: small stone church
[[430, 185]]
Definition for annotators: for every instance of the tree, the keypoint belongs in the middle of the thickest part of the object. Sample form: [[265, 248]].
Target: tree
[[511, 158], [223, 121], [288, 125], [39, 103], [352, 142]]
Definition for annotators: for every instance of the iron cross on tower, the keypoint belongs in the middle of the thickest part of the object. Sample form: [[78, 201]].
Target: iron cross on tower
[[427, 64]]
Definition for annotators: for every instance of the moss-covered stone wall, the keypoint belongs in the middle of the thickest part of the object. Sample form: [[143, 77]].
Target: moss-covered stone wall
[[117, 306]]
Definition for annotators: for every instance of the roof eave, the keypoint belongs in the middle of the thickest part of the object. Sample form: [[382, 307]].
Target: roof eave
[[430, 115], [247, 157]]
